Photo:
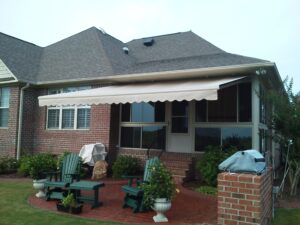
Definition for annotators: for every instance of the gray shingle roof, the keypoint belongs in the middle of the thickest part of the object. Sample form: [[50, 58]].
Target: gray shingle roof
[[92, 54], [21, 57]]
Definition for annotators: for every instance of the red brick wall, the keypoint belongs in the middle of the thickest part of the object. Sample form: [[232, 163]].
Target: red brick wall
[[8, 136], [57, 141], [244, 199]]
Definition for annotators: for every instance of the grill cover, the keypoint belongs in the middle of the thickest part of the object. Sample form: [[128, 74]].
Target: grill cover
[[92, 153], [248, 161]]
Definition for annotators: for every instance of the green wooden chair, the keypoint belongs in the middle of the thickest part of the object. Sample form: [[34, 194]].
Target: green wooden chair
[[133, 192], [58, 181]]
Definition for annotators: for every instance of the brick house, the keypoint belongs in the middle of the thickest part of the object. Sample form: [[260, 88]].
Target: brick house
[[176, 92]]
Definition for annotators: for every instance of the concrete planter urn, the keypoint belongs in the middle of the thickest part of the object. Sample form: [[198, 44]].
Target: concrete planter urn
[[39, 185], [160, 206]]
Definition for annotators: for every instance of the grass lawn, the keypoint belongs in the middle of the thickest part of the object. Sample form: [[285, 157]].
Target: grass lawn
[[14, 209], [287, 217]]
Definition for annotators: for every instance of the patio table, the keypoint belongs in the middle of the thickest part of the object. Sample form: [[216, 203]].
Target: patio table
[[79, 186]]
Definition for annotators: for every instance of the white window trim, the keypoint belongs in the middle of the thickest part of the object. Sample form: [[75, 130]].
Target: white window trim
[[61, 90], [60, 117]]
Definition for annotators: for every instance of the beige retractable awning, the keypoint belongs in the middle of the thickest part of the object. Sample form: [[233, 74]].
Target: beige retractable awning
[[141, 92]]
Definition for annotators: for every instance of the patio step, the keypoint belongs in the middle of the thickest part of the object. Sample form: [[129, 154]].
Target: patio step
[[181, 168]]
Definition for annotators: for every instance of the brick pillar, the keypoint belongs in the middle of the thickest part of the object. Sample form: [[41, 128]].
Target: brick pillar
[[244, 199]]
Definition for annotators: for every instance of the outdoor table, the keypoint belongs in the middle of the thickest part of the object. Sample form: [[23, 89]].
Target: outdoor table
[[79, 186]]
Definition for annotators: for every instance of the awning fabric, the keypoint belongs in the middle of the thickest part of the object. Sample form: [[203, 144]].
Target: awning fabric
[[141, 92]]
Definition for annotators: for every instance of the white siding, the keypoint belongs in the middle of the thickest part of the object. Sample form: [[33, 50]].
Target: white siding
[[5, 73]]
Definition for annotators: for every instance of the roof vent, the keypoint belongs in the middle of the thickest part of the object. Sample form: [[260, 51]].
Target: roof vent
[[126, 50], [148, 41], [102, 30]]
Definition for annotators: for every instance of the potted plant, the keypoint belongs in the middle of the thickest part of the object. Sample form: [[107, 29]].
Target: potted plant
[[159, 191], [69, 204]]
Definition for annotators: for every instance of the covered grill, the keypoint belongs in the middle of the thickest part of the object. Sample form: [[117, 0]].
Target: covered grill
[[248, 161], [92, 153]]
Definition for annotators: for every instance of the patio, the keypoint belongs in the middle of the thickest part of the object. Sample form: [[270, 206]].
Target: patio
[[188, 207]]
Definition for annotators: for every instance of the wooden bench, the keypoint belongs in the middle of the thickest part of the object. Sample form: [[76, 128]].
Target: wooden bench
[[77, 187]]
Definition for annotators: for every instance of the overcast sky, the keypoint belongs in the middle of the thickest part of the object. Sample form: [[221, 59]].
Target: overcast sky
[[266, 29]]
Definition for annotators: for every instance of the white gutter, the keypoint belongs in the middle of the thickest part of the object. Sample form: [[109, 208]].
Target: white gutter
[[20, 122], [168, 75]]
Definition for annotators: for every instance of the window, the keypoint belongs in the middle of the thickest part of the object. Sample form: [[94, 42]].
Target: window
[[143, 112], [68, 117], [241, 138], [4, 106], [180, 117], [143, 137], [233, 105], [245, 109], [53, 118], [207, 136], [143, 125], [262, 141], [83, 118]]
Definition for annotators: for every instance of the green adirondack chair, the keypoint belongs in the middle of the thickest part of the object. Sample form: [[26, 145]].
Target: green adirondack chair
[[133, 193], [58, 181]]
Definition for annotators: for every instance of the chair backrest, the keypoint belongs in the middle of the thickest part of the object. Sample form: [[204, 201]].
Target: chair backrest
[[71, 165], [149, 164]]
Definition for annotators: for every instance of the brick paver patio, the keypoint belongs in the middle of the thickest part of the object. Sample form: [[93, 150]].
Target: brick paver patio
[[187, 208]]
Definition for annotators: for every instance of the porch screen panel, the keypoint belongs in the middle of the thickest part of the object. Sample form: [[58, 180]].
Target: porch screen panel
[[207, 136], [241, 138], [154, 137], [245, 104], [131, 137], [225, 108]]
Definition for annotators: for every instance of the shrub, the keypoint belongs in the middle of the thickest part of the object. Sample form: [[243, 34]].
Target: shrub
[[60, 159], [160, 185], [8, 165], [126, 165], [69, 200], [24, 165], [208, 164], [36, 165], [207, 190]]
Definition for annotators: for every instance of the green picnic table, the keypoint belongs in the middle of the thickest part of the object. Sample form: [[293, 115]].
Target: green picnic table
[[79, 186]]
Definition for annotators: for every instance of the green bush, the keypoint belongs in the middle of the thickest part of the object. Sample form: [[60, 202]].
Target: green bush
[[207, 190], [36, 165], [126, 165], [60, 159], [8, 165], [160, 185], [24, 165], [208, 164]]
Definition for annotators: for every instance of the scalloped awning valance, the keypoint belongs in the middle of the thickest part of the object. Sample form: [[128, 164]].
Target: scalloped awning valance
[[141, 92]]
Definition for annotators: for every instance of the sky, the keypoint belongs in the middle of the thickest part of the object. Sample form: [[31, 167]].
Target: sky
[[265, 29]]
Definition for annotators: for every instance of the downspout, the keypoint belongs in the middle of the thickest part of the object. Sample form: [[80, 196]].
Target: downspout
[[20, 122]]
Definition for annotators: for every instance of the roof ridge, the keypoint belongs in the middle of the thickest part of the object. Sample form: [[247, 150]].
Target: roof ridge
[[161, 35], [91, 28], [101, 48]]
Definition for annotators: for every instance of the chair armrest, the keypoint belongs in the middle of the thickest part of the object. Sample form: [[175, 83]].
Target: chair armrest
[[74, 176], [132, 178]]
